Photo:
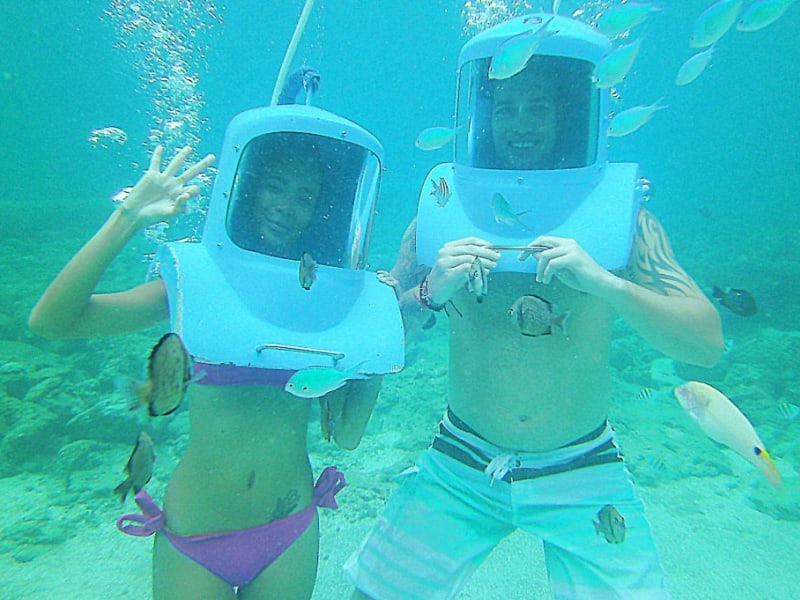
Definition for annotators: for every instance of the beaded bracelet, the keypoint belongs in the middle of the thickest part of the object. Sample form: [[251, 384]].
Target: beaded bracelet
[[424, 297]]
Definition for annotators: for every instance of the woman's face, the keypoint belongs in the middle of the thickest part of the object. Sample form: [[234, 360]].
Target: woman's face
[[285, 202], [524, 123]]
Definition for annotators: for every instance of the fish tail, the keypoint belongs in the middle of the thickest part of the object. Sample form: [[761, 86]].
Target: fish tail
[[561, 322], [122, 490], [767, 467], [141, 395]]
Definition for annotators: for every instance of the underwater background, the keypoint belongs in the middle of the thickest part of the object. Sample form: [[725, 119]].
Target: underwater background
[[722, 159]]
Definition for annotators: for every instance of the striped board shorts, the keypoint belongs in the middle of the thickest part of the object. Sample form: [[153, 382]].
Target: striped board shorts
[[465, 495]]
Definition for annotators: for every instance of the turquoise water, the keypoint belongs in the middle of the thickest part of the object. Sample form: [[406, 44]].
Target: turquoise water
[[722, 159]]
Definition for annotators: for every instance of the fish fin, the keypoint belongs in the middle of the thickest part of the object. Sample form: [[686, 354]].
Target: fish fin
[[141, 393], [717, 292], [561, 322], [122, 490]]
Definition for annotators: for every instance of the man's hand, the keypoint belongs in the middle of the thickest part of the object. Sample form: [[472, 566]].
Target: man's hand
[[570, 263], [451, 270]]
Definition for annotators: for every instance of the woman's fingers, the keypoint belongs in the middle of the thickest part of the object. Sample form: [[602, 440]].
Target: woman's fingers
[[197, 168], [175, 164], [155, 159]]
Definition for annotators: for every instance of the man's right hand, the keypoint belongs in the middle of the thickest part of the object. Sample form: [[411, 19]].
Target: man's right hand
[[451, 270]]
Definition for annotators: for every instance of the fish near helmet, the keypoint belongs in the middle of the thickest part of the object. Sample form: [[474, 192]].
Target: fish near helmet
[[295, 179], [546, 114], [538, 131]]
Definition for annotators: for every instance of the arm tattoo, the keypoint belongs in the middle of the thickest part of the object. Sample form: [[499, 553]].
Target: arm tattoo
[[653, 263]]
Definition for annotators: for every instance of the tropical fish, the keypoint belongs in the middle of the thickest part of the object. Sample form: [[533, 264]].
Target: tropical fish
[[632, 119], [762, 13], [613, 68], [314, 382], [610, 524], [503, 213], [307, 271], [434, 138], [139, 469], [691, 69], [513, 54], [477, 280], [738, 301], [712, 24], [788, 411], [556, 6], [169, 373], [536, 316], [720, 420], [624, 17], [646, 394], [103, 135], [121, 194], [441, 191]]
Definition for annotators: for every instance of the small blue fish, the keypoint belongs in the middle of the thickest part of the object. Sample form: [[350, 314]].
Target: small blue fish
[[503, 214], [441, 191], [762, 13], [624, 17], [632, 119], [123, 193], [788, 411], [691, 69], [307, 271], [712, 24], [315, 382], [646, 394], [513, 54], [613, 68], [434, 138]]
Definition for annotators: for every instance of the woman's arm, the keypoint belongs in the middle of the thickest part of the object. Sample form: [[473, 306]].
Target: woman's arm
[[70, 307], [346, 412]]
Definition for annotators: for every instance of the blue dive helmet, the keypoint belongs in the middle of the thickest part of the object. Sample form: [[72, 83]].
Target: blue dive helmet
[[294, 182], [561, 70], [343, 162]]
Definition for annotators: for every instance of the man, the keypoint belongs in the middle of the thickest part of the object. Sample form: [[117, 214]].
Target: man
[[525, 442]]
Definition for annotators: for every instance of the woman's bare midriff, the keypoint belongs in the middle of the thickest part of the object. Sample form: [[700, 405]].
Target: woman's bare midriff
[[246, 463]]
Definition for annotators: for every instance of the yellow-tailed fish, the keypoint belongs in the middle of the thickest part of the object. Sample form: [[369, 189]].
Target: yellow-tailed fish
[[720, 420], [307, 271], [477, 281], [139, 469], [613, 68], [315, 382], [513, 54], [762, 13], [434, 138], [169, 373], [610, 524], [632, 119], [441, 191], [503, 213], [712, 24], [624, 17], [691, 69]]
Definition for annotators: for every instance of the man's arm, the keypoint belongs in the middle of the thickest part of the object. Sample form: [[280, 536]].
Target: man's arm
[[660, 301]]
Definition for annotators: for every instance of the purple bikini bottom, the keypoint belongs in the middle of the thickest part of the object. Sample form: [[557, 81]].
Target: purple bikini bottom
[[237, 556]]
